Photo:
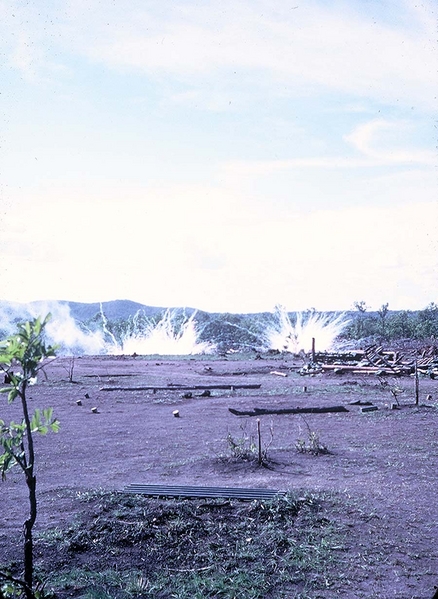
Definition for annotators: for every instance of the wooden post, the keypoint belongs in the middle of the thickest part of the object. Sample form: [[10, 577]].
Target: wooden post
[[313, 349], [259, 434], [417, 384]]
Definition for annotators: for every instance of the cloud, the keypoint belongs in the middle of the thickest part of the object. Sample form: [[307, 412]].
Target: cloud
[[23, 57], [268, 167], [375, 148], [270, 47], [267, 46], [29, 41], [365, 137]]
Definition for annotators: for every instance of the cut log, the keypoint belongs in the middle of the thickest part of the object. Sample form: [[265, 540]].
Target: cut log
[[366, 369], [111, 376], [279, 411], [180, 387], [360, 402], [278, 373]]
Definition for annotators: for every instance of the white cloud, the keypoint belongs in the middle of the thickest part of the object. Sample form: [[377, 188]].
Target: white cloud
[[265, 46], [374, 148], [269, 46], [367, 136], [22, 56], [28, 37]]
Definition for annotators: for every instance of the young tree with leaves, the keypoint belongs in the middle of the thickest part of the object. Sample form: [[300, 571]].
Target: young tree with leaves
[[361, 307], [382, 313], [22, 357]]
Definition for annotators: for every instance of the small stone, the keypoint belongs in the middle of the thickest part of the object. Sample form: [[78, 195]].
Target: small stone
[[176, 413], [94, 410], [78, 402]]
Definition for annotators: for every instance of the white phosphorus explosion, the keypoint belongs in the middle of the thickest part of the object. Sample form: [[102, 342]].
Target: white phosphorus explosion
[[166, 338], [171, 335], [285, 336], [62, 329]]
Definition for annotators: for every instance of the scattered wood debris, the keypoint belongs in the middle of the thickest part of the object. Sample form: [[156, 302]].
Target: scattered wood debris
[[374, 360]]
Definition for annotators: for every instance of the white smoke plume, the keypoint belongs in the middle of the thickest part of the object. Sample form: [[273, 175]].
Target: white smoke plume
[[166, 337], [285, 336], [61, 330], [171, 335]]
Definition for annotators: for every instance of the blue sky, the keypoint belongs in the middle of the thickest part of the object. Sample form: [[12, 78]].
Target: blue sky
[[228, 156]]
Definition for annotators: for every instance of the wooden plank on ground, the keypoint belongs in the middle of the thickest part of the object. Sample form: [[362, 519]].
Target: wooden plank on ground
[[365, 369], [181, 387], [264, 411]]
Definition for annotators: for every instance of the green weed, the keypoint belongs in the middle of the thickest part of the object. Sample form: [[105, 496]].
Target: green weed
[[312, 443], [194, 549]]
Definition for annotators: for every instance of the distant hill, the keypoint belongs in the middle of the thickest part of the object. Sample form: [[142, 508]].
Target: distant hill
[[81, 311], [114, 310]]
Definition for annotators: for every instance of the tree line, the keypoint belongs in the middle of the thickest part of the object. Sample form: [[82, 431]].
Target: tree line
[[392, 325]]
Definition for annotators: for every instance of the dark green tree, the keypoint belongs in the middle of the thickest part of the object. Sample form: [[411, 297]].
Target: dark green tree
[[382, 314], [427, 322], [359, 329], [401, 325]]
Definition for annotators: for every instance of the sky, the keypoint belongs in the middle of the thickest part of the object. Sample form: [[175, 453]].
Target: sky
[[228, 156]]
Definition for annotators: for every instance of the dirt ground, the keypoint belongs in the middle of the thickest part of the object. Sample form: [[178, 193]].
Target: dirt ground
[[384, 464]]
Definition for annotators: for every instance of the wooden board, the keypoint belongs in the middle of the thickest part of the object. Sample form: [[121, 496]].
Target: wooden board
[[262, 411]]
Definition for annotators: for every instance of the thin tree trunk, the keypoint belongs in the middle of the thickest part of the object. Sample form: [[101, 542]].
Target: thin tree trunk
[[28, 538], [259, 435], [31, 484]]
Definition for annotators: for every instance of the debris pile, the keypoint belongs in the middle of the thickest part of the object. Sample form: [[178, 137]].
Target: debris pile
[[375, 360]]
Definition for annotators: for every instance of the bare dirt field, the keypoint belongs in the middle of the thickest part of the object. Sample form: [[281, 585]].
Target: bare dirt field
[[382, 466]]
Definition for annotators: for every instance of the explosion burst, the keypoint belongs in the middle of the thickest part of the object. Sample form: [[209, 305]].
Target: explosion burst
[[167, 337], [285, 336]]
